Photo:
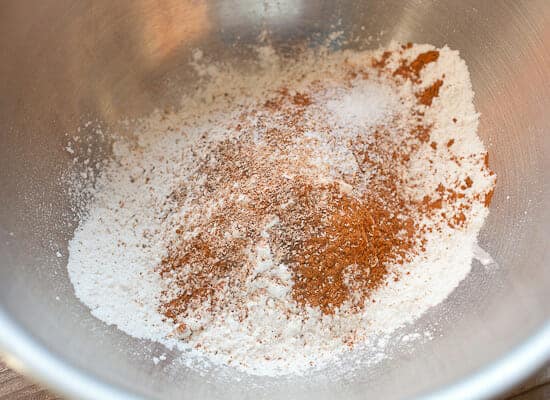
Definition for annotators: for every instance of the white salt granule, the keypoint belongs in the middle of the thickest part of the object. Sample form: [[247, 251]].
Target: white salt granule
[[365, 104]]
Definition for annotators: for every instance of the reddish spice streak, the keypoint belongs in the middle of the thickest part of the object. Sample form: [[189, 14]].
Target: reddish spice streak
[[433, 145], [301, 99], [423, 59], [422, 133], [436, 204], [427, 95], [488, 197], [450, 142], [458, 220], [412, 70], [381, 63], [432, 205]]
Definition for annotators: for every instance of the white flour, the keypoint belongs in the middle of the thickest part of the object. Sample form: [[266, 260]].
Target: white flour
[[364, 104], [116, 249]]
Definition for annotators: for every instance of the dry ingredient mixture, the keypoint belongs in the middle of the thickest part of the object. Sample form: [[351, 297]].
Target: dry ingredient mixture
[[284, 217]]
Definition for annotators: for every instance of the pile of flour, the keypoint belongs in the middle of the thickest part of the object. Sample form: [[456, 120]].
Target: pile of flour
[[117, 247]]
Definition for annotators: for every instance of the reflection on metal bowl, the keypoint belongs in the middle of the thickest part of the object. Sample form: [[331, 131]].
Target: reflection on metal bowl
[[65, 62]]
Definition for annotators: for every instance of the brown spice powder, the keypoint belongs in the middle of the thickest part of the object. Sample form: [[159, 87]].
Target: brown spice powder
[[337, 244], [427, 95], [351, 251], [412, 70], [381, 63]]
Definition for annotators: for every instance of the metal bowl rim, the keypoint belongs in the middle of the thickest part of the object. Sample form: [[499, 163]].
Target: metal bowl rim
[[25, 354]]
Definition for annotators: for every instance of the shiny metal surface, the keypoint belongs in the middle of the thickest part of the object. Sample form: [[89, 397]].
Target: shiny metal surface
[[66, 62]]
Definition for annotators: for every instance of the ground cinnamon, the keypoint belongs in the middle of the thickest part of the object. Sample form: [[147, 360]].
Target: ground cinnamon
[[350, 255], [426, 96], [338, 244], [412, 70]]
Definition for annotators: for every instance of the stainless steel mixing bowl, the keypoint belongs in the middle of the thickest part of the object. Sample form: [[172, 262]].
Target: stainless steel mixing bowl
[[64, 62]]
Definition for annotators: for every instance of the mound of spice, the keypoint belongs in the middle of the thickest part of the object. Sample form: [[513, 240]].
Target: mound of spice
[[337, 239]]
